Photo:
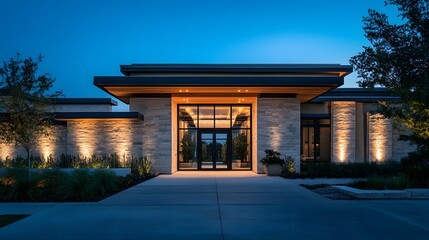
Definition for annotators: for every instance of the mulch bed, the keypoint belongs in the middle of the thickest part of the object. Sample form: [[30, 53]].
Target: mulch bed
[[328, 191]]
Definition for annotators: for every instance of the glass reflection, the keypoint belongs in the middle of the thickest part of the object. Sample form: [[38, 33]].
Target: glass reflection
[[206, 117], [241, 149], [241, 117], [187, 116], [223, 116], [188, 149]]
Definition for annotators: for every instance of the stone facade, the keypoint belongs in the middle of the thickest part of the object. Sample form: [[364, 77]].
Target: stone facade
[[104, 137], [156, 132], [400, 148], [379, 138], [276, 125], [53, 145], [343, 120], [279, 128]]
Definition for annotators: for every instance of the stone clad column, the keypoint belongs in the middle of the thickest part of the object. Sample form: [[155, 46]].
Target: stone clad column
[[343, 131], [156, 131], [279, 123]]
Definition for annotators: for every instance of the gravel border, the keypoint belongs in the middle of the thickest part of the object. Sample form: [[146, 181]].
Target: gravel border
[[328, 191]]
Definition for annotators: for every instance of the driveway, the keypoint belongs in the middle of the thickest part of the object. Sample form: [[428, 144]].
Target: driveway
[[221, 205]]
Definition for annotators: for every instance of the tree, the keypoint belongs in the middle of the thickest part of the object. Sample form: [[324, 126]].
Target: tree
[[398, 59], [28, 104]]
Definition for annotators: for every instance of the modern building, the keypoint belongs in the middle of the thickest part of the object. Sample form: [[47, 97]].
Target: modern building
[[223, 117]]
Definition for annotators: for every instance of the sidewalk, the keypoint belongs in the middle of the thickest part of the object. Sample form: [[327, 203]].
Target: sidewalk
[[222, 205]]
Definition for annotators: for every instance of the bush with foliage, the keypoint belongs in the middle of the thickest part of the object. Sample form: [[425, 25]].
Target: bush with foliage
[[67, 161], [53, 185], [416, 167], [272, 157], [348, 170], [376, 182], [141, 166], [289, 166]]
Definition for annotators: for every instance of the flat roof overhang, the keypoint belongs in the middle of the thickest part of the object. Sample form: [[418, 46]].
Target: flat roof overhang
[[86, 101], [99, 116], [212, 69], [304, 81], [304, 87]]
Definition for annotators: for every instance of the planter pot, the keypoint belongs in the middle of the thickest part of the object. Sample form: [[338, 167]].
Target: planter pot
[[186, 165], [236, 164], [245, 165], [273, 169]]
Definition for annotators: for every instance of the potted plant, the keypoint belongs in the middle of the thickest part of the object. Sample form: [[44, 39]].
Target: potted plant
[[241, 150], [187, 149], [273, 164]]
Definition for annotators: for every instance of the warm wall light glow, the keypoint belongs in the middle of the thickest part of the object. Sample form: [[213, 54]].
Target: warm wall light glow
[[343, 131], [379, 138], [84, 136], [343, 145], [275, 137], [6, 150], [122, 139]]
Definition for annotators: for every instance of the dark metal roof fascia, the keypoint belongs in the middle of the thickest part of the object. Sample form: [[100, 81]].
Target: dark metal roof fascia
[[99, 115], [217, 81], [234, 68], [97, 101]]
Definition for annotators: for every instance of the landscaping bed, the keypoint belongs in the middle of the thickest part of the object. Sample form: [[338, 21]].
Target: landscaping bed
[[80, 185], [72, 184]]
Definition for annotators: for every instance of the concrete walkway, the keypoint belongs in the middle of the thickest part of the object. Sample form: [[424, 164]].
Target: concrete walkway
[[221, 205]]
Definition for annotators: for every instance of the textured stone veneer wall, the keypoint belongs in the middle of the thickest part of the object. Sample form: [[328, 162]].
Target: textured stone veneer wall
[[400, 148], [55, 144], [343, 131], [379, 138], [103, 137], [278, 127], [156, 132]]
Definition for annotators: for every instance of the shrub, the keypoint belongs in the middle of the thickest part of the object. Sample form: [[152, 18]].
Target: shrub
[[416, 167], [16, 186], [54, 185], [272, 157], [351, 170], [376, 182], [78, 186], [49, 186], [104, 182], [289, 165], [141, 166]]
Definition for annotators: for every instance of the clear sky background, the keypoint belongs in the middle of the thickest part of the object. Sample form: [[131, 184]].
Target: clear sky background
[[81, 39]]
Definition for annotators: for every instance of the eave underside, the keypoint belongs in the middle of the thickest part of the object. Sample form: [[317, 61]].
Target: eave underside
[[303, 87]]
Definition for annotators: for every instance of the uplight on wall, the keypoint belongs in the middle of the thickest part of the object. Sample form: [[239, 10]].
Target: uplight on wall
[[343, 131], [379, 138], [6, 150], [276, 137], [122, 139], [85, 136]]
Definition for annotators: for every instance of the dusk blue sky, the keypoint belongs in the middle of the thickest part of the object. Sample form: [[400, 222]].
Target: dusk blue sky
[[81, 39]]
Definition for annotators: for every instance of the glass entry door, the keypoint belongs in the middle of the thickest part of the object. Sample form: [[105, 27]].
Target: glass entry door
[[214, 150]]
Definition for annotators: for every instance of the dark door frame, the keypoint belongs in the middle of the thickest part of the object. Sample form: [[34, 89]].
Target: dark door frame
[[213, 132]]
